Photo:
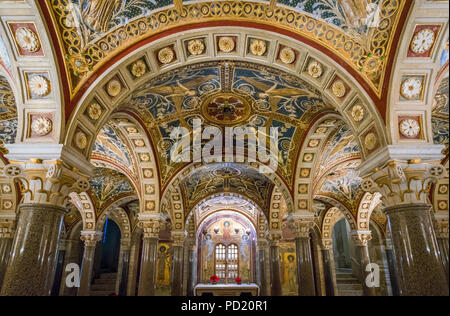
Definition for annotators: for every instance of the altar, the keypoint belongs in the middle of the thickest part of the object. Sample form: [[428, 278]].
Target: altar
[[227, 290]]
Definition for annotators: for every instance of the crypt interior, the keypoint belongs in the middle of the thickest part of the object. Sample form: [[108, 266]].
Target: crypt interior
[[92, 202]]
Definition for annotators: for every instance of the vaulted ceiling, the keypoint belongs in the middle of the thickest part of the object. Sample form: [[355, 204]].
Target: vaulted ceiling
[[91, 35], [265, 96]]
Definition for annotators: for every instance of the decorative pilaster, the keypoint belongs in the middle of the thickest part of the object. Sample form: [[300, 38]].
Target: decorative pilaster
[[405, 189], [192, 266], [305, 275], [6, 240], [177, 262], [90, 239], [330, 285], [262, 246], [150, 224], [275, 267], [124, 266], [361, 240], [442, 225], [59, 267]]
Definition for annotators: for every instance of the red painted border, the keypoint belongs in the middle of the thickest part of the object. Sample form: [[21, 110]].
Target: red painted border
[[380, 103]]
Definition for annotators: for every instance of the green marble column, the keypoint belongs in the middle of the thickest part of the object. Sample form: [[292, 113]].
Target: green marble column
[[419, 267], [32, 264]]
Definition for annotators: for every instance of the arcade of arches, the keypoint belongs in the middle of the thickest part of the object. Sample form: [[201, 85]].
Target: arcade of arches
[[91, 92]]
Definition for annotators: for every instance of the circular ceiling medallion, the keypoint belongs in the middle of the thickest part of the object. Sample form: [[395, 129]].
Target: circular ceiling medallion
[[287, 55], [27, 40], [339, 89], [358, 113], [423, 41], [42, 126], [226, 44], [315, 69], [409, 128], [39, 85], [166, 55], [411, 88], [81, 140], [226, 172], [226, 109], [196, 47], [138, 69], [371, 141], [114, 88], [94, 111], [258, 47]]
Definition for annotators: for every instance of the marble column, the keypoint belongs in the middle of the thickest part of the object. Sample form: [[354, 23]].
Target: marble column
[[148, 267], [305, 272], [275, 267], [419, 266], [392, 269], [59, 268], [6, 241], [361, 240], [443, 248], [192, 268], [177, 270], [147, 282], [124, 266], [262, 244], [90, 240], [32, 264], [442, 239], [328, 269]]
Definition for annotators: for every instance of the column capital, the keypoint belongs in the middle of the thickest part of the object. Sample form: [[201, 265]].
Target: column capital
[[301, 225], [150, 224], [275, 238], [326, 244], [7, 228], [403, 183], [91, 238], [262, 244], [125, 244], [362, 237], [178, 238], [47, 183], [441, 227]]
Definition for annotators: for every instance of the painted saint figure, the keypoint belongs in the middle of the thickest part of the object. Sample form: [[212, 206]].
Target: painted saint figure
[[97, 14]]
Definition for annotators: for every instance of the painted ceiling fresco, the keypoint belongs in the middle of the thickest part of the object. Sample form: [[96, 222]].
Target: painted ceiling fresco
[[8, 115], [340, 154], [108, 186], [440, 115], [360, 32], [110, 146], [227, 177], [273, 99]]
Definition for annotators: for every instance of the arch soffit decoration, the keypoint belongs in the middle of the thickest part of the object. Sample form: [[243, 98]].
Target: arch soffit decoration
[[120, 217], [363, 59], [308, 176], [122, 72], [32, 106], [330, 218], [147, 179], [420, 68]]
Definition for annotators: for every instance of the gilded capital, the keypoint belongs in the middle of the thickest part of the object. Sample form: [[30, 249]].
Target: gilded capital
[[404, 183], [150, 224], [47, 183], [91, 238], [6, 229], [441, 228], [362, 238], [301, 226], [178, 238]]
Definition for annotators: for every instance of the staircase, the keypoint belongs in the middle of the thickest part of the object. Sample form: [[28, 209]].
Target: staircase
[[105, 285], [347, 284]]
